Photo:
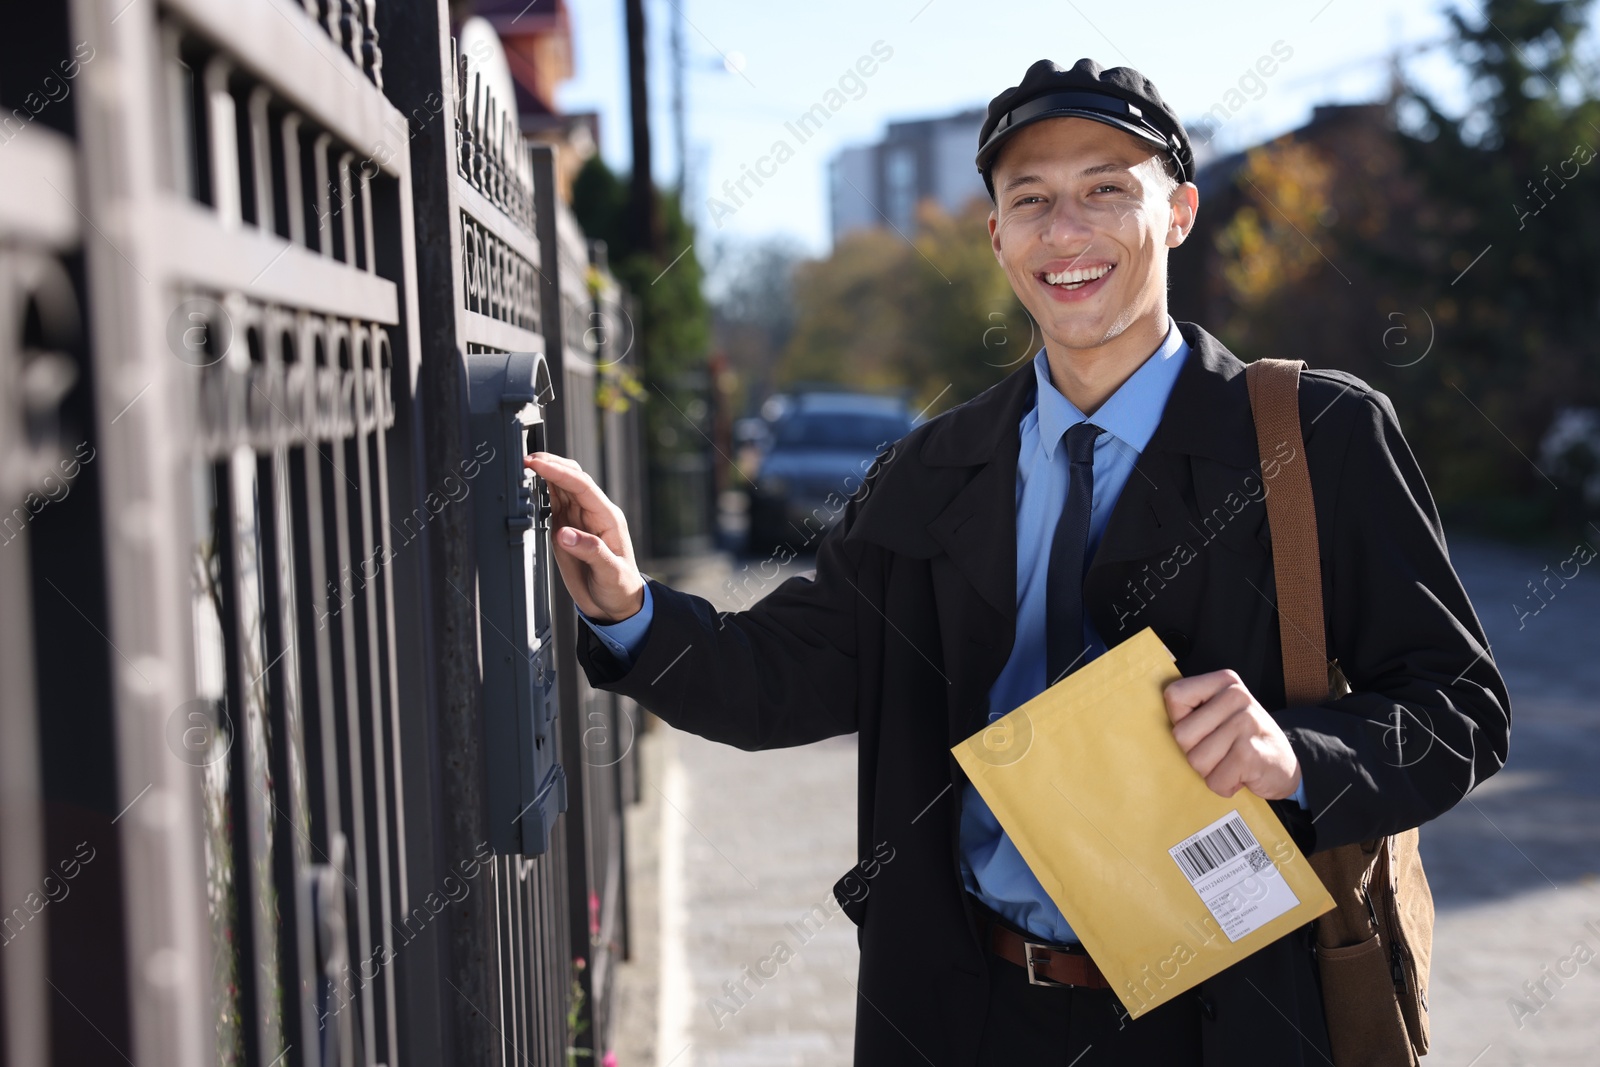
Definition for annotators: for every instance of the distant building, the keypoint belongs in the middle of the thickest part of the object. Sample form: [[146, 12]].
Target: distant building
[[1357, 142], [881, 184], [537, 38]]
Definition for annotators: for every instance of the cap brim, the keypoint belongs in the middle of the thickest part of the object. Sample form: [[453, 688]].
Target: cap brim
[[987, 153]]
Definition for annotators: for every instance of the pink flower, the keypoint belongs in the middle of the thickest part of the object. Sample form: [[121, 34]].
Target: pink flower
[[608, 1060]]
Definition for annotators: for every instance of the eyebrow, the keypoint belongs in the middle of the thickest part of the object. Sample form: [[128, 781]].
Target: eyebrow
[[1034, 179]]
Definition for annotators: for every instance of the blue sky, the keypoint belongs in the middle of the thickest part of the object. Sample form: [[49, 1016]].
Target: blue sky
[[947, 56]]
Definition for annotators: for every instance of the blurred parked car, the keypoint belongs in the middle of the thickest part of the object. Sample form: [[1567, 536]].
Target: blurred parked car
[[823, 443]]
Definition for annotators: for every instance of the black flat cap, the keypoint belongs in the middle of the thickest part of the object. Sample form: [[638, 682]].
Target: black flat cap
[[1119, 97]]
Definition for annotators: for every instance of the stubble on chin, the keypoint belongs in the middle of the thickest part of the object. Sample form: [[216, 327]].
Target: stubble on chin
[[1125, 318]]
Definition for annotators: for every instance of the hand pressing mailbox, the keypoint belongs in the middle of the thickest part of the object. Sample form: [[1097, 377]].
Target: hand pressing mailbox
[[526, 784], [592, 545]]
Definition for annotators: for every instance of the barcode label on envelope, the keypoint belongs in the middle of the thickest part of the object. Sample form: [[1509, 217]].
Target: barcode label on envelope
[[1234, 876]]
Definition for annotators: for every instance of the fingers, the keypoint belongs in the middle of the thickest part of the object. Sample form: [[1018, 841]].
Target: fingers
[[1208, 753], [1193, 725], [567, 475], [543, 461], [584, 546], [1249, 764], [1229, 760], [580, 557], [1213, 727], [607, 587], [563, 509], [576, 500], [1225, 779], [1245, 753], [1186, 694]]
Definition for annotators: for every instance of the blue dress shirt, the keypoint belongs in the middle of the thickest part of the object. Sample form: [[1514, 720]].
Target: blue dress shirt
[[991, 867], [626, 637]]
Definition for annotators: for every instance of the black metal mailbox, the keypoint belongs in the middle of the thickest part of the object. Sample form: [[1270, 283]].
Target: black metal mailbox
[[527, 787]]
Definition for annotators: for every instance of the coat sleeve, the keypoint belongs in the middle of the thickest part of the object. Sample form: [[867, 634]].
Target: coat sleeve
[[1428, 716], [783, 672]]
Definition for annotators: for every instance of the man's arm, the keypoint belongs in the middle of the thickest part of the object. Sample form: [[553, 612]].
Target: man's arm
[[782, 672], [1429, 716]]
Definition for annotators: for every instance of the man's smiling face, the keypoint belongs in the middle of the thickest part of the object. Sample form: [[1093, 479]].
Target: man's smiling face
[[1084, 215]]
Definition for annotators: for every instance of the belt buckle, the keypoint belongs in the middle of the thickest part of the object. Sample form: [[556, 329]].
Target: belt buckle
[[1028, 948]]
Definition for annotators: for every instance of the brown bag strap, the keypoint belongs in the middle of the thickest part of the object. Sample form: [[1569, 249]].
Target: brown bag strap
[[1274, 386], [1365, 1025]]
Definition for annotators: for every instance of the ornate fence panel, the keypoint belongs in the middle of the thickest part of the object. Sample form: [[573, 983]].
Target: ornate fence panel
[[245, 251], [252, 329], [242, 263], [514, 267]]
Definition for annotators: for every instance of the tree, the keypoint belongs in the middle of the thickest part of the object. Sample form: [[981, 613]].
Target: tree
[[753, 315], [675, 324], [672, 335], [1507, 250], [1451, 261]]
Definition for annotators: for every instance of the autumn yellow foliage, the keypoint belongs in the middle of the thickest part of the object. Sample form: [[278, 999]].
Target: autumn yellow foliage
[[1269, 242]]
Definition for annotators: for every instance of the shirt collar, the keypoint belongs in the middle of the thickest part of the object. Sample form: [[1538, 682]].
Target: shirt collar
[[1131, 413]]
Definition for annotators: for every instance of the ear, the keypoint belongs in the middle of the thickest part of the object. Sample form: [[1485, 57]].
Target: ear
[[1185, 204], [994, 234]]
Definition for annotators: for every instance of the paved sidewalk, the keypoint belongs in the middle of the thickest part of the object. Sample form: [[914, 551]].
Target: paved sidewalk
[[757, 968], [750, 843], [753, 968], [1515, 868]]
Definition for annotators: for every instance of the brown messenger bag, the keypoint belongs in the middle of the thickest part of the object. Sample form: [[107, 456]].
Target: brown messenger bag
[[1373, 949]]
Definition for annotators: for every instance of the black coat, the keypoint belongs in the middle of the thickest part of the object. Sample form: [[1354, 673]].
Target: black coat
[[911, 614]]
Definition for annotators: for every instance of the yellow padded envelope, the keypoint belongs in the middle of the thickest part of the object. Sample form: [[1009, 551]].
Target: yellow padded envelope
[[1165, 882]]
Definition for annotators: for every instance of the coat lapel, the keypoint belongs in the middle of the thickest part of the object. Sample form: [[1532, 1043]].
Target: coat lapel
[[974, 570], [1150, 514], [975, 588], [977, 530]]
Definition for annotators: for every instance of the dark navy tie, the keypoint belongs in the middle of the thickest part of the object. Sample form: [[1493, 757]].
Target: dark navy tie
[[1063, 612]]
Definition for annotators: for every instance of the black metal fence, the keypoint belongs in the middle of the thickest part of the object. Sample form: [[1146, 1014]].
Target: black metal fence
[[245, 248], [683, 470]]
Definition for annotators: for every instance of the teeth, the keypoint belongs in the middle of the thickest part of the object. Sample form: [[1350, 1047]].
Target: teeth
[[1076, 277]]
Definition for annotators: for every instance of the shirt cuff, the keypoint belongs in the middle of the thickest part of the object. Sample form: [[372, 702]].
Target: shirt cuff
[[1299, 795], [626, 637]]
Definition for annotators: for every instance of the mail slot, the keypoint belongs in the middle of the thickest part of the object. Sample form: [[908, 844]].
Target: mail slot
[[527, 787]]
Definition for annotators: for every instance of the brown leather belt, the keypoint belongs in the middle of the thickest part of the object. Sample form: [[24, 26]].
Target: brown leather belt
[[1046, 964]]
